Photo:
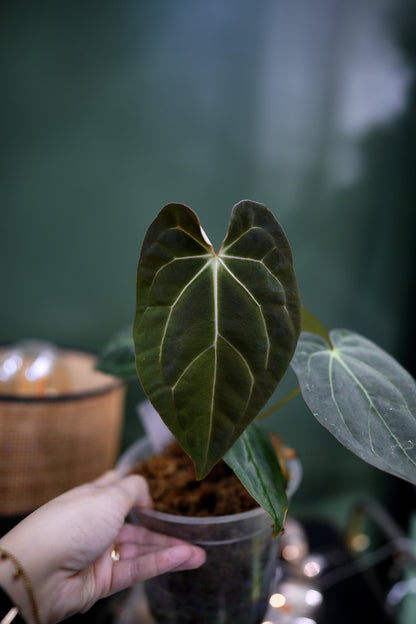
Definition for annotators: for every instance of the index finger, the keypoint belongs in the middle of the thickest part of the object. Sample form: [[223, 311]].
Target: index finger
[[158, 561]]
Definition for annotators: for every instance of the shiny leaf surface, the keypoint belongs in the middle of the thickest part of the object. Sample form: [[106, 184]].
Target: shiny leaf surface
[[363, 396], [254, 461], [214, 332]]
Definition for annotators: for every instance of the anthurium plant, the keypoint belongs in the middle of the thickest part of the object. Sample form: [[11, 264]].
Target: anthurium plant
[[215, 332]]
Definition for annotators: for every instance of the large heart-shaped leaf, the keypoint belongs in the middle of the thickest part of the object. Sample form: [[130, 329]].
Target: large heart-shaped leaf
[[254, 461], [214, 332], [362, 396]]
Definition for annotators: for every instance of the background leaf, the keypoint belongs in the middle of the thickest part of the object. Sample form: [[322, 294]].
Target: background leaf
[[117, 357], [254, 461], [214, 333], [362, 396]]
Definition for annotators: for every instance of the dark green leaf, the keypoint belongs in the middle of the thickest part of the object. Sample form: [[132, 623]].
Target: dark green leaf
[[214, 333], [254, 461], [362, 396], [117, 357]]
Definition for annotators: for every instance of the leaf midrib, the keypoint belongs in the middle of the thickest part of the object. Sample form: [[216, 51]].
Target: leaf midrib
[[214, 260]]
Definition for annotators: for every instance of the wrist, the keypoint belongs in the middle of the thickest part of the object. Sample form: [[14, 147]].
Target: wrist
[[17, 585]]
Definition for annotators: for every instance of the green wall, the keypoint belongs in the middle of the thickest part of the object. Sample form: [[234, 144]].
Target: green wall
[[109, 110]]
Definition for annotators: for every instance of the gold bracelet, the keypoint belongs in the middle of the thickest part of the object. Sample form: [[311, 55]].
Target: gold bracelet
[[20, 573]]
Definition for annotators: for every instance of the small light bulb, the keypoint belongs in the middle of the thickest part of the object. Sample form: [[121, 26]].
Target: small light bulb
[[277, 601], [291, 552], [313, 598], [313, 565], [360, 542], [311, 568]]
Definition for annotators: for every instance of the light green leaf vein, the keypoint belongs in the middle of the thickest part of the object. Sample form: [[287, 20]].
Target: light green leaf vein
[[252, 297], [242, 235], [175, 303], [372, 406]]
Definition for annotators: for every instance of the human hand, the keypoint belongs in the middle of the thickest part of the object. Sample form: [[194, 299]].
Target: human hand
[[65, 548]]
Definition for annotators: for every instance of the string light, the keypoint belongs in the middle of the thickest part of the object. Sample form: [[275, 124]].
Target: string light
[[296, 598]]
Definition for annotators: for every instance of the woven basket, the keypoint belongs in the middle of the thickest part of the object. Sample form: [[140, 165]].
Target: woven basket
[[49, 444]]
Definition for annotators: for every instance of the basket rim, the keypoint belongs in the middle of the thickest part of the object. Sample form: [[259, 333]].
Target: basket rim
[[112, 384], [109, 387]]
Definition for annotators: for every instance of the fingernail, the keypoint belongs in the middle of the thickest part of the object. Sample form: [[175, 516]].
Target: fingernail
[[196, 557]]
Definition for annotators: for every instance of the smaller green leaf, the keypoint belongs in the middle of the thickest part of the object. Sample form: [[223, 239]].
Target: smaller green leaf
[[254, 461], [363, 396], [117, 357]]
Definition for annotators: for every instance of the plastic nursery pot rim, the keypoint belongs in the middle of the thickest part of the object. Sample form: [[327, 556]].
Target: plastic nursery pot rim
[[204, 520], [142, 448]]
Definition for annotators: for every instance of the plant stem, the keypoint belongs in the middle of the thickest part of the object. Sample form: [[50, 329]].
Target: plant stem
[[279, 404]]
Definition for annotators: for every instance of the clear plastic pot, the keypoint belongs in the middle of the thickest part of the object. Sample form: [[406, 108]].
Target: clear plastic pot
[[234, 583]]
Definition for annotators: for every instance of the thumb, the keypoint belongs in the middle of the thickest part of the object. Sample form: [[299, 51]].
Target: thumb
[[131, 491]]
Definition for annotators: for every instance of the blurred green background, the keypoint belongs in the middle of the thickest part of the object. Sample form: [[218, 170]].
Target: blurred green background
[[109, 110]]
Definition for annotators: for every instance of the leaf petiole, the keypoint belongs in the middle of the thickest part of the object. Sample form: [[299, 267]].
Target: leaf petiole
[[279, 404]]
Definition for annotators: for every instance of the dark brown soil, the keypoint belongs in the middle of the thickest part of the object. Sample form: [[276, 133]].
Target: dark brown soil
[[174, 489]]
